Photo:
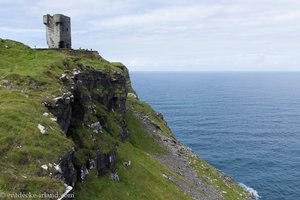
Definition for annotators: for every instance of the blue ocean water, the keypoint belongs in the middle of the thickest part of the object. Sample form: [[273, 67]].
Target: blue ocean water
[[246, 124]]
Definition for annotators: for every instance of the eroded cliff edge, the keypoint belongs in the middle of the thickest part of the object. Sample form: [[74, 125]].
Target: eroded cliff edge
[[72, 124]]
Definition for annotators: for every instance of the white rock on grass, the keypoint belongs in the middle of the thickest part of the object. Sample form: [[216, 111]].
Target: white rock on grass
[[132, 95], [127, 164], [167, 177], [58, 98], [76, 72], [57, 167], [46, 114], [53, 119], [42, 129], [63, 77], [45, 167]]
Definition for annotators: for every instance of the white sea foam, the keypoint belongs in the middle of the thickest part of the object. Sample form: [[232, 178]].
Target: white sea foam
[[250, 190]]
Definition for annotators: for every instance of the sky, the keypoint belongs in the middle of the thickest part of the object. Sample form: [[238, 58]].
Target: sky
[[170, 35]]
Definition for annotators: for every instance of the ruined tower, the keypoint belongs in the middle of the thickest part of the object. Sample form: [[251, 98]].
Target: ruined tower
[[58, 31]]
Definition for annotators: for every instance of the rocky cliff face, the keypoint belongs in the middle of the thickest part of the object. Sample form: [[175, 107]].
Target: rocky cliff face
[[95, 102]]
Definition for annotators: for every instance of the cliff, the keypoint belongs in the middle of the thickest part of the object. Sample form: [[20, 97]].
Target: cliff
[[72, 126]]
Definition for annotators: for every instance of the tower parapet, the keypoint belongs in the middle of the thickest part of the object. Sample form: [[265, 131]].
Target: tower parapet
[[58, 31]]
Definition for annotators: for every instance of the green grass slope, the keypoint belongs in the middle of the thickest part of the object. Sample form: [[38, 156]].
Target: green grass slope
[[28, 78], [143, 180]]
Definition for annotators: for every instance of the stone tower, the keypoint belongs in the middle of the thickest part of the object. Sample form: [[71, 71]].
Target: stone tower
[[58, 31]]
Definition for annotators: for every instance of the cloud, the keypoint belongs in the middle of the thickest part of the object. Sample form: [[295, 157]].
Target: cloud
[[20, 30], [170, 16], [245, 14], [82, 9]]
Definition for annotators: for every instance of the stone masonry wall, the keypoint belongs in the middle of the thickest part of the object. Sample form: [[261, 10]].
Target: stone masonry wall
[[58, 31]]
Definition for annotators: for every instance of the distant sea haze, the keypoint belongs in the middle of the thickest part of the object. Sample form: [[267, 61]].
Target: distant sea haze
[[247, 124]]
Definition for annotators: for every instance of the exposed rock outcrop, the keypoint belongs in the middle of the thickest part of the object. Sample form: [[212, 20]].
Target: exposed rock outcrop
[[89, 91], [66, 170]]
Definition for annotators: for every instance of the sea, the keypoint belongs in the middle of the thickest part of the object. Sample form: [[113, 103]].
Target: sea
[[246, 124]]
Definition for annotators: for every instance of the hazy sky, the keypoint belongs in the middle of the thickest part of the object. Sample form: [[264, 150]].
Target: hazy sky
[[170, 34]]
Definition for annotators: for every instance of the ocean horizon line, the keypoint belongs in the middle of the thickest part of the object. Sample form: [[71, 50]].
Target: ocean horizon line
[[213, 71]]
